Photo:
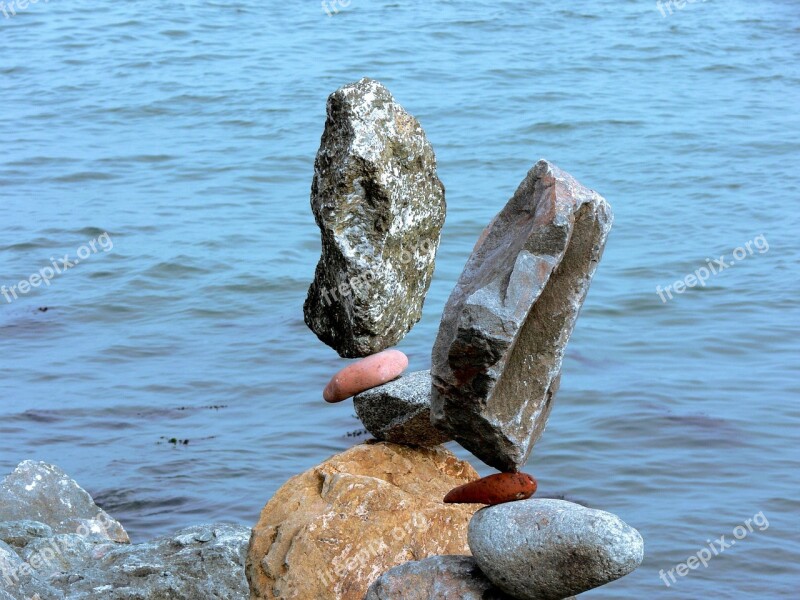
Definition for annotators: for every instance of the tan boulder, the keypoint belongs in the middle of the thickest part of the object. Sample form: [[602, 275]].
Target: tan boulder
[[330, 532]]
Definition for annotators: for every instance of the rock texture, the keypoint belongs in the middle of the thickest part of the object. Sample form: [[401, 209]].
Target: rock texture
[[77, 552], [400, 411], [380, 206], [550, 549], [435, 578], [36, 491], [205, 561], [497, 358], [331, 531]]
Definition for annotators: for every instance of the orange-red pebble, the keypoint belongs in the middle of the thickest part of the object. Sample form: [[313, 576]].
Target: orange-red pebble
[[494, 489]]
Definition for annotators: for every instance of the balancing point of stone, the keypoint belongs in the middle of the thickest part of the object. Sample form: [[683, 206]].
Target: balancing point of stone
[[400, 411], [380, 208], [496, 362]]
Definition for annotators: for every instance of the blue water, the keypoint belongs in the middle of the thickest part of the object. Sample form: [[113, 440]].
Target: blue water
[[186, 131]]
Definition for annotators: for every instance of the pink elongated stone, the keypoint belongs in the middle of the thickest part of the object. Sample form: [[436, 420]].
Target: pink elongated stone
[[365, 374]]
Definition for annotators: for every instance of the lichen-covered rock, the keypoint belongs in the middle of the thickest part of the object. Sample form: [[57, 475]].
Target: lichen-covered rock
[[400, 411], [435, 578], [550, 549], [497, 358], [380, 207], [36, 491], [328, 533]]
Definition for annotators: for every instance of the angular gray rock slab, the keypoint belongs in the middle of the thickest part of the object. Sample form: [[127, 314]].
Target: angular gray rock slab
[[497, 359], [550, 549], [435, 578], [205, 561], [37, 491], [380, 207], [400, 411], [70, 553]]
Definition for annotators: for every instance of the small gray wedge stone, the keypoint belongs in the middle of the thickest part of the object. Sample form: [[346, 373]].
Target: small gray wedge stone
[[380, 207], [496, 363], [550, 549], [400, 411]]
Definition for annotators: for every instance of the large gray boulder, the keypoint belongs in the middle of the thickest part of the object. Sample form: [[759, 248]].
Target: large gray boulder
[[380, 207], [77, 552], [550, 549], [435, 578], [400, 411], [497, 359], [37, 491], [205, 561]]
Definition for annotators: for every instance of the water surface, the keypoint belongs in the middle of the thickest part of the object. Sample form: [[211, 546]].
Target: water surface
[[187, 132]]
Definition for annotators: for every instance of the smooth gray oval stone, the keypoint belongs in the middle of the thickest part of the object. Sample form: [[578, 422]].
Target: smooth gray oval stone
[[550, 549]]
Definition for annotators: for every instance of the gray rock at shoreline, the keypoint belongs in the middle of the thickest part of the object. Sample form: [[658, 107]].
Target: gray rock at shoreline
[[550, 549], [380, 207], [400, 411], [435, 578], [205, 561], [496, 363], [36, 491], [21, 582]]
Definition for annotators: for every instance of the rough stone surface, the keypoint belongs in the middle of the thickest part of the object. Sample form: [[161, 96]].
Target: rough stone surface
[[205, 561], [36, 491], [550, 549], [435, 578], [330, 532], [400, 411], [19, 581], [380, 207], [80, 553], [497, 358]]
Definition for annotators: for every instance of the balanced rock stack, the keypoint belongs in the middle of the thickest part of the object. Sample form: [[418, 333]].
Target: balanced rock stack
[[402, 517]]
